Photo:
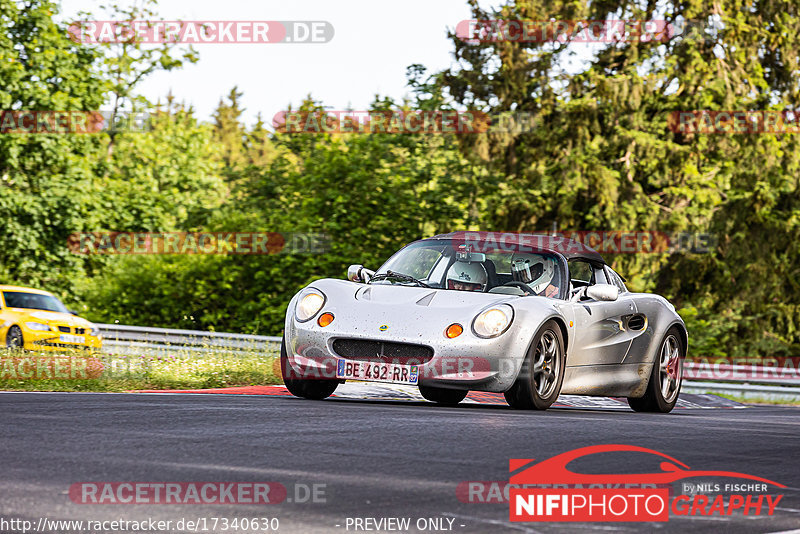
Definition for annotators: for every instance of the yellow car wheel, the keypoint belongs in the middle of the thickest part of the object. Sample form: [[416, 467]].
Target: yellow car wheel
[[14, 337]]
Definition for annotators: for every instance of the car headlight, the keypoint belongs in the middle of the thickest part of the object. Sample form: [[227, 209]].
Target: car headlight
[[38, 326], [94, 331], [493, 321], [310, 304]]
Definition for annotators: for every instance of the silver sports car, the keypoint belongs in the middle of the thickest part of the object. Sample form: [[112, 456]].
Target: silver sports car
[[527, 315]]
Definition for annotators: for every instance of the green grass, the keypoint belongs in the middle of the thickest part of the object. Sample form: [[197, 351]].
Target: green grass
[[185, 370], [755, 400]]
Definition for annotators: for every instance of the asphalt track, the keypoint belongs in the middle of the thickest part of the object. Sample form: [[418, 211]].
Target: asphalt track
[[376, 458]]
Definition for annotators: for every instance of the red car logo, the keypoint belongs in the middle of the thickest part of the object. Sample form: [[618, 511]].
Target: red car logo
[[554, 470]]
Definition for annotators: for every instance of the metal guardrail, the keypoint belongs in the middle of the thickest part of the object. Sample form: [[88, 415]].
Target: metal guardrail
[[740, 380], [127, 340], [741, 373], [744, 380]]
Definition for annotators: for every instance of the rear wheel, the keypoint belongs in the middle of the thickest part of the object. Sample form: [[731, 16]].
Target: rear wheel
[[14, 338], [443, 395], [665, 378], [307, 388], [539, 382]]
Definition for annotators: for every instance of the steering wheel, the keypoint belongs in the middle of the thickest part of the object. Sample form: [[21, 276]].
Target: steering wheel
[[522, 285]]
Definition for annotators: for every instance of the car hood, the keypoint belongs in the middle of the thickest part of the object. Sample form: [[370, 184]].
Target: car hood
[[51, 317], [416, 315], [405, 295], [361, 305]]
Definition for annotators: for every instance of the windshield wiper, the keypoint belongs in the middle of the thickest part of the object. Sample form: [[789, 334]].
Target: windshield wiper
[[399, 276]]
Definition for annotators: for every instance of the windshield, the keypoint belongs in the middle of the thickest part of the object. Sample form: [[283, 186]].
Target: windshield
[[33, 301], [452, 264]]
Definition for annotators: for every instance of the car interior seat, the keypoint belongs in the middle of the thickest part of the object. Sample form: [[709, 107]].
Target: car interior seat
[[491, 274]]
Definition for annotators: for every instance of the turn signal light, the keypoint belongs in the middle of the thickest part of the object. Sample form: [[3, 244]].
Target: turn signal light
[[454, 330], [325, 319]]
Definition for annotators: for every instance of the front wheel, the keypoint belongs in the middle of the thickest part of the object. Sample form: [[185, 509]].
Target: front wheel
[[307, 388], [665, 378], [443, 396], [14, 338], [539, 382]]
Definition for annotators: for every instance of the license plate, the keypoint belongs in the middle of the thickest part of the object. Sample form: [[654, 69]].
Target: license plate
[[69, 338], [393, 373]]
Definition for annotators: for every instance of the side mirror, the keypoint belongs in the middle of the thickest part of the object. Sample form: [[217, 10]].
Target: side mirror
[[603, 292], [73, 312], [357, 273]]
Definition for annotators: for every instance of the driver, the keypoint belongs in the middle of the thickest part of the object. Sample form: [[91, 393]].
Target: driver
[[465, 276], [537, 272]]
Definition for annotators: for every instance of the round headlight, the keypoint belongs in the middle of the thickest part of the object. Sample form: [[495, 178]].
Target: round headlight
[[309, 305], [493, 322]]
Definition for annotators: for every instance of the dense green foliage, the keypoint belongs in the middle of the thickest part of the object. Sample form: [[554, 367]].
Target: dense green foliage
[[601, 157], [369, 194], [604, 158]]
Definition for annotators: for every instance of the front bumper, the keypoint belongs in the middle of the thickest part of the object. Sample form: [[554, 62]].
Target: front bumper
[[465, 362], [38, 340]]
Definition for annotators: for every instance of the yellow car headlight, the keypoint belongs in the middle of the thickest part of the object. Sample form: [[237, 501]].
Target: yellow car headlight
[[38, 326], [493, 321], [310, 304]]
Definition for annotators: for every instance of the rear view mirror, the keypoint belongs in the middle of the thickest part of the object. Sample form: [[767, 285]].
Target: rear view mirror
[[605, 292], [469, 257]]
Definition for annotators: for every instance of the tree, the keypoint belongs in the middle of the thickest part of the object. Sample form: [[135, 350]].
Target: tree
[[229, 132], [55, 185], [604, 157], [370, 194], [127, 61], [47, 186]]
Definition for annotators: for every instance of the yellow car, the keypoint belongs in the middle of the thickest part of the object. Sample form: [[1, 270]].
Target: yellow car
[[36, 320]]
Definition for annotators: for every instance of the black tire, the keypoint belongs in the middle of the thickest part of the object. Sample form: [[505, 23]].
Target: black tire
[[307, 388], [449, 397], [539, 389], [666, 377], [14, 338]]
